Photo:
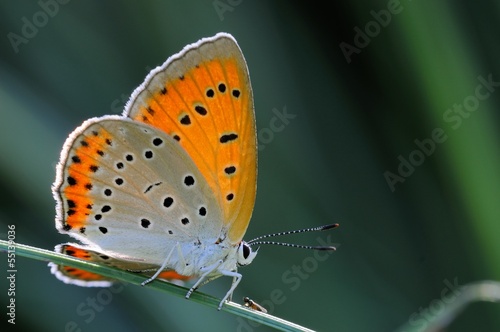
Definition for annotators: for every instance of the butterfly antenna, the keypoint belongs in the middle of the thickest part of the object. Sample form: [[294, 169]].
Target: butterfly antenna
[[256, 241], [293, 245]]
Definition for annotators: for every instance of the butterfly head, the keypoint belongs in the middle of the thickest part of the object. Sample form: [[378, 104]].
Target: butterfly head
[[245, 254]]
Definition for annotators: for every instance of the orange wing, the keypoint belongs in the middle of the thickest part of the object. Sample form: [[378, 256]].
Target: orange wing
[[202, 97], [81, 277], [76, 276], [73, 185]]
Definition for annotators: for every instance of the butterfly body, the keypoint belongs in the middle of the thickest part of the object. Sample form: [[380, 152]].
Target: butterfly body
[[170, 185]]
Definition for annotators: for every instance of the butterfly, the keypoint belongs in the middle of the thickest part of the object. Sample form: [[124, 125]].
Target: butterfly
[[168, 188]]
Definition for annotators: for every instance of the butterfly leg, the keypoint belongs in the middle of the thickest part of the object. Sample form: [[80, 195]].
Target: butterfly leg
[[230, 298], [204, 280], [144, 283], [205, 272], [236, 280]]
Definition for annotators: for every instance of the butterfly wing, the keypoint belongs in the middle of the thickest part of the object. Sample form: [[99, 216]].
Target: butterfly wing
[[202, 98], [76, 276], [130, 191]]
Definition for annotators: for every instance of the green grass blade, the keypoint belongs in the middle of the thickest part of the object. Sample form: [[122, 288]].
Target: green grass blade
[[136, 279], [487, 291]]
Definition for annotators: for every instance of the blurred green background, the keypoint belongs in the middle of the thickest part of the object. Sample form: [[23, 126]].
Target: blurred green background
[[415, 67]]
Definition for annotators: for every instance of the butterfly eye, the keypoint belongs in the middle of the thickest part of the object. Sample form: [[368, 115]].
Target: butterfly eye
[[245, 254], [246, 251]]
